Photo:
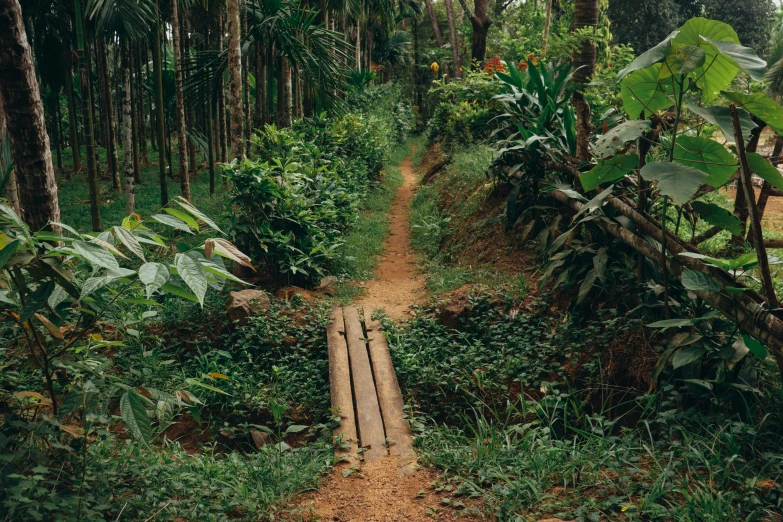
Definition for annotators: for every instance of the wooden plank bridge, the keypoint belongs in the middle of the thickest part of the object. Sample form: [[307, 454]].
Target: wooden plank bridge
[[365, 392]]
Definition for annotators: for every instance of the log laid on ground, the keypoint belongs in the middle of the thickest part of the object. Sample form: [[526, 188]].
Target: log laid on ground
[[398, 431], [368, 411], [750, 309], [340, 383]]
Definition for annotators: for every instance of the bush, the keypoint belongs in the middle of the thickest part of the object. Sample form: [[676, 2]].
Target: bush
[[292, 204]]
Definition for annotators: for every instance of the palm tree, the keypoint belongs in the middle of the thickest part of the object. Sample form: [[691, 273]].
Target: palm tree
[[180, 114], [25, 120], [235, 78], [130, 20], [585, 15]]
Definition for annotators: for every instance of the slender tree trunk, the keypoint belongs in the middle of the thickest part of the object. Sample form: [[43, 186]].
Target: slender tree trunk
[[87, 117], [358, 47], [11, 188], [235, 78], [25, 121], [585, 15], [137, 105], [72, 113], [260, 68], [108, 108], [127, 132], [157, 66], [284, 93], [56, 128], [270, 83], [547, 27], [184, 176], [141, 57], [434, 21], [453, 40], [190, 113]]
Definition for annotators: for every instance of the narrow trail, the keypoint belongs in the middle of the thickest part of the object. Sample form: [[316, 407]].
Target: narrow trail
[[383, 489], [397, 284]]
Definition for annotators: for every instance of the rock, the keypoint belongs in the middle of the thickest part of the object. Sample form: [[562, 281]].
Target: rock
[[288, 292], [260, 438], [327, 285], [244, 303], [451, 314]]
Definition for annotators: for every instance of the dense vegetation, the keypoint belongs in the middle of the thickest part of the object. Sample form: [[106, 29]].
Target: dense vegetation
[[601, 338]]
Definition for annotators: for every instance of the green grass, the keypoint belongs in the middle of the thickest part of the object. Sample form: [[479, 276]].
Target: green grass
[[365, 241], [420, 142], [74, 194]]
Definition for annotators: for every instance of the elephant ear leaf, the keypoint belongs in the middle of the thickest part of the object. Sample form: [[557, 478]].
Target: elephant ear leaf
[[765, 170], [718, 216], [646, 59], [615, 140], [609, 170], [708, 156], [761, 106], [674, 180], [643, 93]]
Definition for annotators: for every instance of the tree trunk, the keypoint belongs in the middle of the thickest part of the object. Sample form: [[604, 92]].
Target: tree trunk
[[107, 107], [184, 177], [260, 116], [453, 40], [235, 78], [127, 132], [284, 97], [137, 106], [190, 113], [85, 74], [434, 21], [141, 143], [11, 188], [25, 121], [585, 15], [55, 97], [480, 22], [157, 67], [72, 117], [547, 27]]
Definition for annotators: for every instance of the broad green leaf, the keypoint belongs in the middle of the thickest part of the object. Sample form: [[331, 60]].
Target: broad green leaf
[[196, 213], [226, 249], [644, 94], [744, 57], [609, 170], [134, 416], [615, 140], [755, 347], [721, 116], [193, 274], [718, 216], [8, 251], [682, 59], [708, 156], [93, 284], [172, 222], [765, 170], [649, 57], [130, 241], [96, 254], [760, 106], [699, 281], [671, 323], [154, 276], [184, 217], [221, 272], [718, 70], [179, 292], [674, 180], [36, 300], [687, 355]]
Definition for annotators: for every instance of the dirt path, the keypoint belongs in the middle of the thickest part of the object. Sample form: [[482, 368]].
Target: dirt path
[[397, 284], [381, 490]]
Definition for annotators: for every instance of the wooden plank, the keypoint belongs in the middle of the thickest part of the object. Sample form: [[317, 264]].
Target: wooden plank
[[398, 431], [368, 412], [340, 382]]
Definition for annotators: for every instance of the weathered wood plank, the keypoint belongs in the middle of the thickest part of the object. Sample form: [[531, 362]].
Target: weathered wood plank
[[398, 431], [368, 412], [340, 382]]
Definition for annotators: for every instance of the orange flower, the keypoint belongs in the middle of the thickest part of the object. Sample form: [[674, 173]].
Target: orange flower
[[494, 65], [434, 67], [522, 65], [532, 58]]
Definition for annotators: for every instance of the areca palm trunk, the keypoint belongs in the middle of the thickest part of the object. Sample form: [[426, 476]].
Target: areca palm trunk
[[585, 15], [87, 117], [235, 78], [157, 67], [25, 121], [74, 135], [108, 110], [127, 133], [137, 105], [284, 93], [184, 175], [453, 40], [260, 116]]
